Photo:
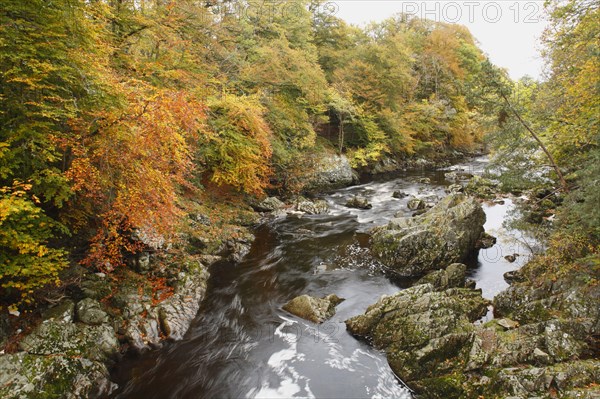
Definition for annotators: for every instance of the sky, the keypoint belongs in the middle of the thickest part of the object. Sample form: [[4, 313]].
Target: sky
[[507, 30]]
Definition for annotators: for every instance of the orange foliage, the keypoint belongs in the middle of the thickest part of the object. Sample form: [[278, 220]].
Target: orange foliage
[[129, 168]]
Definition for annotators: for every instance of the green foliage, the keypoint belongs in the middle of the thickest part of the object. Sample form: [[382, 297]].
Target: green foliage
[[26, 261], [239, 149], [580, 212]]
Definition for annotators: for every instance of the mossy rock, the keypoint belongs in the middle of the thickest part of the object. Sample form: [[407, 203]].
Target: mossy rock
[[313, 309]]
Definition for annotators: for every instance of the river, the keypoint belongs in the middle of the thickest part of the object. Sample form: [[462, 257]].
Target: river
[[243, 345]]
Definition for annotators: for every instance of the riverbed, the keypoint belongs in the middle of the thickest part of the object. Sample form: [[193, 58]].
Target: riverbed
[[243, 345]]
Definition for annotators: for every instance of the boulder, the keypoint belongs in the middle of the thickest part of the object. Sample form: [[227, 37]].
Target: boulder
[[416, 204], [420, 329], [307, 206], [329, 172], [58, 376], [445, 234], [269, 204], [313, 309], [358, 202], [399, 194], [455, 188], [89, 311], [454, 276], [481, 187], [53, 337], [485, 241]]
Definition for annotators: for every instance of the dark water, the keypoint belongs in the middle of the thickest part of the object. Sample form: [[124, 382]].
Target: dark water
[[242, 345]]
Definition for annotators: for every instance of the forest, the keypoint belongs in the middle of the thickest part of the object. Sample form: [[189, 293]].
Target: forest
[[118, 118]]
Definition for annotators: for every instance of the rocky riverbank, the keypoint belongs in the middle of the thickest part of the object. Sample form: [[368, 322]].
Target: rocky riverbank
[[543, 342]]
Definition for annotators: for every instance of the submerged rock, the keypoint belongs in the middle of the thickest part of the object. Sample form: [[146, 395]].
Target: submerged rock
[[313, 309], [399, 194], [358, 202], [445, 234]]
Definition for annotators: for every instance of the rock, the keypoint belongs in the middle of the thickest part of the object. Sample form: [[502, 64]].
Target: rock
[[415, 204], [311, 207], [89, 311], [141, 262], [485, 240], [454, 276], [64, 312], [451, 176], [455, 188], [95, 287], [359, 203], [481, 187], [446, 234], [511, 258], [399, 194], [540, 356], [420, 329], [507, 324], [385, 165], [269, 204], [331, 171], [313, 309], [53, 337], [32, 376], [143, 333], [176, 312], [457, 176], [419, 212], [425, 180], [512, 276]]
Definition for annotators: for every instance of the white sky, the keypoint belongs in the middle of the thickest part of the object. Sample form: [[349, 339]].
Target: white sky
[[507, 30]]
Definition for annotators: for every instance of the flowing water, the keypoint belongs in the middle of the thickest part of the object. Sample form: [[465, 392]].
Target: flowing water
[[243, 345]]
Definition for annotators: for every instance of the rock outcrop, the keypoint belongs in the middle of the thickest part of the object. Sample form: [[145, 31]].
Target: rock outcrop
[[545, 344], [445, 234], [313, 309], [422, 331], [333, 171]]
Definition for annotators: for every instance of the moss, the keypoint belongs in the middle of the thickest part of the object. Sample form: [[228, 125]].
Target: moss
[[448, 386]]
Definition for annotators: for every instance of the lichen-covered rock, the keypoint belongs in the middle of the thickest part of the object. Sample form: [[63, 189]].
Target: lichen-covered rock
[[176, 312], [481, 187], [485, 241], [454, 276], [455, 188], [331, 171], [415, 204], [316, 207], [445, 234], [269, 204], [423, 331], [54, 337], [358, 202], [28, 376], [313, 309], [89, 311], [64, 311]]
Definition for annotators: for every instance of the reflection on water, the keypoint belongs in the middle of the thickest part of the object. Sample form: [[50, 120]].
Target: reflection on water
[[243, 345]]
